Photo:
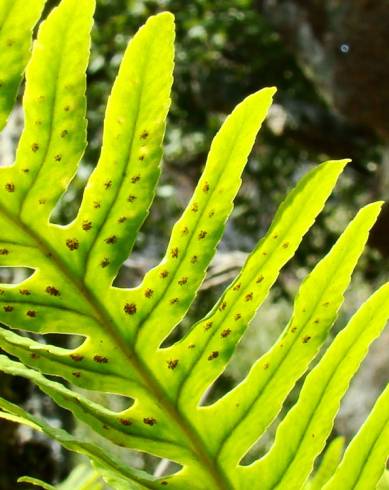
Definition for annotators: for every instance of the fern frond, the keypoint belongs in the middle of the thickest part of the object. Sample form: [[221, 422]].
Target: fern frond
[[122, 330]]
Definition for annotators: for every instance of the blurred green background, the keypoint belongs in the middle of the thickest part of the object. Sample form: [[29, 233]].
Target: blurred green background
[[329, 62]]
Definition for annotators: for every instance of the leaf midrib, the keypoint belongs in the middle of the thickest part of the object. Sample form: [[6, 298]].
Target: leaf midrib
[[102, 316]]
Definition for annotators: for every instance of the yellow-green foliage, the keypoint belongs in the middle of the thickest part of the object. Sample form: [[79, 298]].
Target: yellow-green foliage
[[71, 292]]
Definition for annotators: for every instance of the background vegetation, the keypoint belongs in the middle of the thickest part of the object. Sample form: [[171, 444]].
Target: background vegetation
[[328, 60]]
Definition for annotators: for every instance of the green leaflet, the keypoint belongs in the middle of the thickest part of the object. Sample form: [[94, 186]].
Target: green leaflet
[[96, 454], [309, 423], [36, 482], [170, 287], [16, 24], [222, 328], [81, 478], [121, 330], [249, 409], [328, 465], [54, 136], [364, 461], [121, 189]]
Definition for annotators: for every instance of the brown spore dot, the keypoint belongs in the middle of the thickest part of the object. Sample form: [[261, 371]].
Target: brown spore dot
[[208, 325], [191, 346], [42, 201], [4, 251], [25, 292], [10, 42], [237, 316], [100, 359], [183, 281], [306, 339], [285, 245], [174, 301], [34, 355], [66, 108], [259, 279], [125, 421], [105, 262], [327, 303], [202, 234], [96, 204], [10, 187], [174, 252], [317, 320], [195, 207], [264, 253], [293, 329], [144, 135], [149, 421], [226, 332], [2, 291], [135, 179], [248, 297], [122, 219], [8, 308], [205, 187], [72, 243], [275, 237], [172, 363], [76, 374], [164, 274], [108, 184], [64, 133], [141, 157], [194, 259], [149, 292], [86, 225], [164, 482], [52, 291], [31, 313], [131, 198], [130, 308], [223, 305], [185, 231], [236, 287], [211, 213], [76, 357], [213, 355], [35, 147], [58, 157], [25, 170], [111, 239], [266, 365]]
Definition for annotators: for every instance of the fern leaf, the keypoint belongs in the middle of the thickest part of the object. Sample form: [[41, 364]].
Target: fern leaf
[[54, 135], [222, 328], [122, 330], [249, 409], [172, 285], [364, 461], [121, 189], [16, 24], [36, 482], [95, 453], [309, 423], [328, 464]]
